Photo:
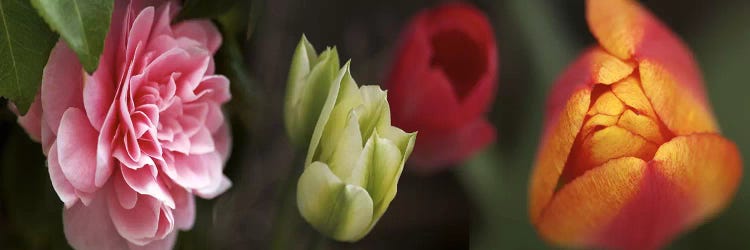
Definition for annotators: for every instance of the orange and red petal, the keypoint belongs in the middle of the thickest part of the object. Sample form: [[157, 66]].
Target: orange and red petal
[[690, 179], [557, 141], [707, 167], [576, 214], [668, 71], [567, 106], [629, 204], [618, 25], [437, 150], [651, 217], [681, 111], [593, 66]]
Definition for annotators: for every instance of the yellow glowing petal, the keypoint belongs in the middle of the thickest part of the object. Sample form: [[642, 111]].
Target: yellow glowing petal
[[588, 203], [616, 24], [554, 149], [607, 69], [682, 112], [598, 121], [615, 142], [607, 104], [707, 166], [641, 125], [630, 92]]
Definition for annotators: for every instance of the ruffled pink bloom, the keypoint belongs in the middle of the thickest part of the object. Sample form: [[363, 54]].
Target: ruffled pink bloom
[[130, 145]]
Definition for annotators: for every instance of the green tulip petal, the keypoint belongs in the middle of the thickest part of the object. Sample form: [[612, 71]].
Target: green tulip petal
[[374, 111], [355, 214], [385, 167], [347, 149], [310, 79], [405, 143], [338, 210], [303, 59], [348, 98], [325, 114], [399, 137]]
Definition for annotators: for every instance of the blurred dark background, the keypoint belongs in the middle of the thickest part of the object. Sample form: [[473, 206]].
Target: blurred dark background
[[480, 205]]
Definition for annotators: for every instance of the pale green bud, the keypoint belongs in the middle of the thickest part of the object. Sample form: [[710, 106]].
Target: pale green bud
[[354, 161], [308, 87]]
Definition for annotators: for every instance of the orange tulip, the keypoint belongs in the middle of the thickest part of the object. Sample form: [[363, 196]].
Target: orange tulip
[[631, 154]]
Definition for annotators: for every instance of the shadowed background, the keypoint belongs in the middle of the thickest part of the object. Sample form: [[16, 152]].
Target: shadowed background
[[480, 205]]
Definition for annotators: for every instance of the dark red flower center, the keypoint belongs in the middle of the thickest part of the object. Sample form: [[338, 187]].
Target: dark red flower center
[[461, 58]]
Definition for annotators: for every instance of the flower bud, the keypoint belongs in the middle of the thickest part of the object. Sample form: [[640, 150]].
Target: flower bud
[[354, 161], [310, 78], [631, 154], [442, 82]]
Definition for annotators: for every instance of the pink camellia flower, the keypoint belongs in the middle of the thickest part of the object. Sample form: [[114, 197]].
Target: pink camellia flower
[[130, 145]]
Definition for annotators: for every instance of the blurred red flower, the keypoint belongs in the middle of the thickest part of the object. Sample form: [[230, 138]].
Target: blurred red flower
[[442, 81]]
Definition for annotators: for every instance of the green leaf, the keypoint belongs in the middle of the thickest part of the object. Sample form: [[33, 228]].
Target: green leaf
[[25, 44], [205, 8], [82, 23]]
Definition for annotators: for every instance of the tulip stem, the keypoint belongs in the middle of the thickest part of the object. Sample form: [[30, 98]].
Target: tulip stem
[[287, 218]]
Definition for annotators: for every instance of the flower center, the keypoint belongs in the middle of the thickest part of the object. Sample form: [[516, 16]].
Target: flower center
[[620, 123], [462, 59]]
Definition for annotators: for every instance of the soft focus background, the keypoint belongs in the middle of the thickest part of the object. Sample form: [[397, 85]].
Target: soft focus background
[[480, 205]]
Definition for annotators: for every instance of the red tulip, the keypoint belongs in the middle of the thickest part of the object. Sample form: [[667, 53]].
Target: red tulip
[[631, 154], [441, 83]]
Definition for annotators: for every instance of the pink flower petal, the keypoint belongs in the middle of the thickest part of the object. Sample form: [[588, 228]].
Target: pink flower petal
[[214, 118], [218, 183], [48, 137], [98, 96], [162, 23], [31, 122], [150, 144], [202, 142], [62, 187], [215, 87], [193, 171], [184, 213], [125, 194], [104, 158], [223, 142], [76, 146], [166, 243], [85, 197], [142, 181], [139, 224], [220, 186], [139, 32], [90, 227], [62, 84], [202, 31]]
